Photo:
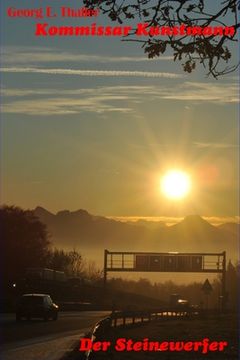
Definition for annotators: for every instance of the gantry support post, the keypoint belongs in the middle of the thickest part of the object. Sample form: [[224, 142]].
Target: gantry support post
[[224, 293], [105, 269]]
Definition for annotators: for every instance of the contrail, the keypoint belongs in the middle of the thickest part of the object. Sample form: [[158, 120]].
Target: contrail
[[78, 72]]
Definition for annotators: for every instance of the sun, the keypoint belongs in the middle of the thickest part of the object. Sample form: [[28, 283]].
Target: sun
[[175, 184]]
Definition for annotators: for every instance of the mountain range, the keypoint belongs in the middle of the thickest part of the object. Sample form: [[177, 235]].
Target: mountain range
[[92, 234]]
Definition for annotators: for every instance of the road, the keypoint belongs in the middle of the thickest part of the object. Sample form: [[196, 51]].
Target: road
[[39, 340]]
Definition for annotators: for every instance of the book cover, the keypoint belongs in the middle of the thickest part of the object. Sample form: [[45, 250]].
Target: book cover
[[119, 179]]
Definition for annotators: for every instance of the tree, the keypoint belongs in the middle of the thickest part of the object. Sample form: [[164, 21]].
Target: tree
[[92, 272], [24, 242], [70, 262], [232, 283], [213, 52]]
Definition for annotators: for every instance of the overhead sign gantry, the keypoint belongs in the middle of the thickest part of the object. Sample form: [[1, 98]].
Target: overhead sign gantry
[[166, 262]]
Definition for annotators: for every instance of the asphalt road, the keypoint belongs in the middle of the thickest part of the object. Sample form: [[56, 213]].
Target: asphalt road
[[21, 333]]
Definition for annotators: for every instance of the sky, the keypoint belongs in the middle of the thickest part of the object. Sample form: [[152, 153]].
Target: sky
[[92, 123]]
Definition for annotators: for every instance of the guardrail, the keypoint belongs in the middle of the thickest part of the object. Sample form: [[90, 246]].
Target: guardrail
[[103, 329], [131, 317]]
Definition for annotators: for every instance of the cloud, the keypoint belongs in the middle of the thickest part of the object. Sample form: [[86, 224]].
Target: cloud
[[79, 72], [65, 106], [208, 92], [186, 91], [124, 99], [214, 220], [203, 145], [33, 55], [121, 89], [72, 101], [218, 220], [29, 92]]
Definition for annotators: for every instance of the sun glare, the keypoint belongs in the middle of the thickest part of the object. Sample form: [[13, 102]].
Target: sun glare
[[175, 184]]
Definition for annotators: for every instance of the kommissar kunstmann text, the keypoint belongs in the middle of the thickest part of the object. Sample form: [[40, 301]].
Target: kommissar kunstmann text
[[142, 29]]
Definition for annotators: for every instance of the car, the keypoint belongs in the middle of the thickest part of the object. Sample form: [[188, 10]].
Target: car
[[36, 306], [183, 304]]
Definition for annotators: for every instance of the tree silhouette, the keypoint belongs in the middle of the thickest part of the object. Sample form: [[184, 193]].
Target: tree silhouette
[[24, 242], [232, 281], [71, 262], [213, 52]]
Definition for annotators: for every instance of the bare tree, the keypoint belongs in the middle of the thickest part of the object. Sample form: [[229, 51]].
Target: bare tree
[[212, 52], [71, 262]]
